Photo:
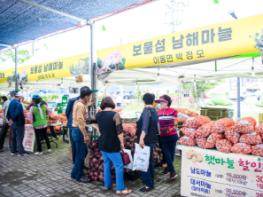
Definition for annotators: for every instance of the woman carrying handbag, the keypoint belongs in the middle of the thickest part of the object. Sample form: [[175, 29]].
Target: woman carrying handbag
[[110, 144]]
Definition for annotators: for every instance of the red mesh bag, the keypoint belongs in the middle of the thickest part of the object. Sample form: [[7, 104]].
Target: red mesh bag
[[224, 146], [222, 124], [188, 141], [251, 138], [252, 121], [218, 127], [257, 150], [259, 129], [205, 130], [241, 148], [187, 112], [244, 127], [214, 137], [227, 122], [201, 142], [190, 132], [232, 135], [210, 142], [210, 145], [129, 128], [196, 122]]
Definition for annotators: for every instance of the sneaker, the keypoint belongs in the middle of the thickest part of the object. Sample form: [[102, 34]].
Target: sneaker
[[38, 153], [1, 150], [165, 171], [84, 180], [49, 150], [13, 154], [173, 176], [146, 189]]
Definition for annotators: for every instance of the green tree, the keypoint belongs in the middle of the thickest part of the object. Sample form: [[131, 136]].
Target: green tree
[[198, 87], [23, 55]]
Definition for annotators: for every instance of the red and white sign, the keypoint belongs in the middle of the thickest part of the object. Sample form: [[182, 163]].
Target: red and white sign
[[29, 138]]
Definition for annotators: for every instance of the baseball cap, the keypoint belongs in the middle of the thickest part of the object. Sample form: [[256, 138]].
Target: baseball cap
[[161, 100], [19, 94], [86, 91], [35, 97]]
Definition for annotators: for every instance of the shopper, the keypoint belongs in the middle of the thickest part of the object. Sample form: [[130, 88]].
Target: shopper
[[5, 126], [40, 123], [111, 143], [15, 116], [69, 111], [168, 134], [79, 135], [12, 97], [147, 131]]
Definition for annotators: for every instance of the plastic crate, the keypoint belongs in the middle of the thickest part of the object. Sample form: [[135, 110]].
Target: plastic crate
[[260, 118], [216, 113]]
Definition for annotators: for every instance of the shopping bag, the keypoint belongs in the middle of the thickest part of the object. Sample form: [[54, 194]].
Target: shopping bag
[[141, 158], [128, 152], [125, 158]]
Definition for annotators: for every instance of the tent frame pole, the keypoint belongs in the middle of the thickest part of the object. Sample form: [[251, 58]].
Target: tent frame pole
[[238, 99], [93, 76], [16, 64]]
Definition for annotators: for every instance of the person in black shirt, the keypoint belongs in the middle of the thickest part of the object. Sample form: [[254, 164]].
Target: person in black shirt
[[111, 143], [69, 112], [147, 131]]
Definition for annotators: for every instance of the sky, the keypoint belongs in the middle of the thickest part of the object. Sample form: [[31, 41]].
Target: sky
[[153, 19]]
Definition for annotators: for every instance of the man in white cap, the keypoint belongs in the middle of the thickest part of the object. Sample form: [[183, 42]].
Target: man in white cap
[[15, 116]]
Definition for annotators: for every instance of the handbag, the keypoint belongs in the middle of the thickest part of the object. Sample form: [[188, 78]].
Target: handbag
[[125, 158]]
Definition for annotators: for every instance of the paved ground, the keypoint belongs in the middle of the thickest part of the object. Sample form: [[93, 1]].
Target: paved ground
[[48, 175]]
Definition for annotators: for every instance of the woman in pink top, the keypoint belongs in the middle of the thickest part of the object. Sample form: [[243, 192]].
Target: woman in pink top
[[168, 134]]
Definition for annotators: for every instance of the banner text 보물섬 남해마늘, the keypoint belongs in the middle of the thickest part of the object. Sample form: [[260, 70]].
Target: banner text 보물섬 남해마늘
[[202, 44]]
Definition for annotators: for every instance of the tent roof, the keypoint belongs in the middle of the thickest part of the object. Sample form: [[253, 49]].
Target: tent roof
[[21, 21]]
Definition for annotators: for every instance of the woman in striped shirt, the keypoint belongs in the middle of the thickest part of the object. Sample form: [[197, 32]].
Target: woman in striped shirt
[[168, 134]]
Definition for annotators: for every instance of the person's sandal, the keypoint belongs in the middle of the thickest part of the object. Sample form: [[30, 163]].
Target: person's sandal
[[173, 176], [124, 192]]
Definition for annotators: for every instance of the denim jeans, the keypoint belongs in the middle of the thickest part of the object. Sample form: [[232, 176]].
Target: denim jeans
[[148, 177], [17, 139], [73, 149], [3, 132], [168, 144], [116, 159], [80, 153]]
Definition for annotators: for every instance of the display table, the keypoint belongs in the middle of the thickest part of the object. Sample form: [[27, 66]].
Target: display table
[[206, 173]]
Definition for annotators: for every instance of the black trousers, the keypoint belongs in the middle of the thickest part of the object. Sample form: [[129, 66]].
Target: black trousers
[[3, 133], [40, 135]]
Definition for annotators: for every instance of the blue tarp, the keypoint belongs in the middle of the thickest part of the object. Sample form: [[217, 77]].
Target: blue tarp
[[21, 22]]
